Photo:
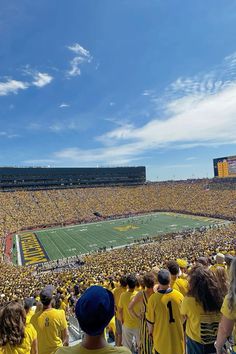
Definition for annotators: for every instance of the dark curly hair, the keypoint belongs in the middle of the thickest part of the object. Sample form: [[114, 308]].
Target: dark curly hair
[[12, 324], [204, 288]]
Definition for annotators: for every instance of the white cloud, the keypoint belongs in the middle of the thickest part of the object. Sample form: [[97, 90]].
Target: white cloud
[[12, 86], [75, 69], [82, 56], [64, 105], [78, 49], [56, 127], [198, 111], [191, 119], [41, 79], [66, 125], [109, 156], [221, 76], [207, 121], [230, 63], [147, 92], [8, 135]]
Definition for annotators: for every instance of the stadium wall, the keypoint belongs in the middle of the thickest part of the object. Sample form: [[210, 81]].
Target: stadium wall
[[30, 178]]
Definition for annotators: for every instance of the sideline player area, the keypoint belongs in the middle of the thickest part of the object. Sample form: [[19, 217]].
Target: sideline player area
[[35, 247]]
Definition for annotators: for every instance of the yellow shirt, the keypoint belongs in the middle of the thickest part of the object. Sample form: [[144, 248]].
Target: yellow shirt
[[63, 306], [201, 326], [25, 347], [117, 293], [230, 315], [49, 324], [29, 315], [181, 285], [217, 265], [81, 350], [163, 312], [129, 320]]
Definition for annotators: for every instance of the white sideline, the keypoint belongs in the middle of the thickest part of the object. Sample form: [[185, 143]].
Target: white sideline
[[19, 261]]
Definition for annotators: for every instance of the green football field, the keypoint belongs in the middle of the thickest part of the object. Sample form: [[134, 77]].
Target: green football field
[[80, 239]]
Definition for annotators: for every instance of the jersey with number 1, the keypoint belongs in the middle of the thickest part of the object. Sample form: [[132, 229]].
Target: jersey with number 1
[[163, 312]]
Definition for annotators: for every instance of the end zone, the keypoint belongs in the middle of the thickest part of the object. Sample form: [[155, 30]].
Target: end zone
[[31, 249]]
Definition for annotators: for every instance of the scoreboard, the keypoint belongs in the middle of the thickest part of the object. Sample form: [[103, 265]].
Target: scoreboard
[[225, 167]]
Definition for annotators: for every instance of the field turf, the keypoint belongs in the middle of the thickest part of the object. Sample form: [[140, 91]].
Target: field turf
[[80, 239]]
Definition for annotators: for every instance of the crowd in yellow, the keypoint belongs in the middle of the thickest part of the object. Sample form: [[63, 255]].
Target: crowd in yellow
[[197, 263], [30, 209]]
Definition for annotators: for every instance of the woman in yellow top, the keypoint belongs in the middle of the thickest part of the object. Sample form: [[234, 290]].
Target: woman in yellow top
[[142, 298], [201, 308], [16, 337]]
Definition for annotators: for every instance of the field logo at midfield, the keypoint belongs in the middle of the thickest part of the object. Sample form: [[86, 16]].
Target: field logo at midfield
[[126, 227], [32, 251]]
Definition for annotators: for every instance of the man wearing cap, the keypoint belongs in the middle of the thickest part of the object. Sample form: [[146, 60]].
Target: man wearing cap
[[94, 310], [50, 324], [164, 319], [29, 310], [183, 264]]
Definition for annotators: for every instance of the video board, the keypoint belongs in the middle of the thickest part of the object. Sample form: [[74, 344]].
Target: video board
[[225, 166]]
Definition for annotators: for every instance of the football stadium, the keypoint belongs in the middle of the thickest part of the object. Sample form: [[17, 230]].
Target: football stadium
[[73, 228]]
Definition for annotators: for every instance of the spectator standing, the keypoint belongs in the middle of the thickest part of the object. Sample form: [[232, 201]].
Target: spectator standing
[[117, 293], [201, 308], [16, 336], [180, 284], [94, 310], [130, 324], [29, 308], [164, 318], [183, 265], [50, 324], [220, 262], [142, 298]]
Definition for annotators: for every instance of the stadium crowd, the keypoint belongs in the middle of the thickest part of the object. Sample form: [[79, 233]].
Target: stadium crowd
[[21, 210], [186, 276], [106, 268]]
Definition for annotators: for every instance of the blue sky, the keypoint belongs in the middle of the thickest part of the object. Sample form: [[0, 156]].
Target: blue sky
[[117, 83]]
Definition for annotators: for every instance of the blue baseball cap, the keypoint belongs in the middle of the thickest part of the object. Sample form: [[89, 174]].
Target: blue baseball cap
[[94, 310], [46, 295]]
